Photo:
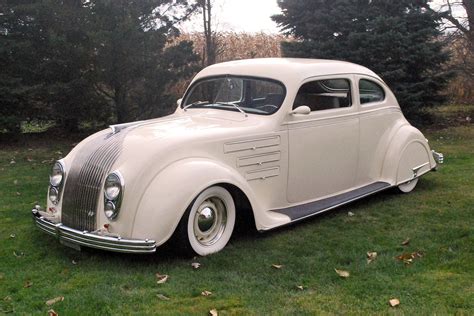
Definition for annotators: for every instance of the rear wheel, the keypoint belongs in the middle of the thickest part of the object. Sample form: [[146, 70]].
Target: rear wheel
[[207, 225], [407, 187]]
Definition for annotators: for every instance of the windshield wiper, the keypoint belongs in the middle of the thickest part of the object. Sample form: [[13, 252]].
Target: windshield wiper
[[234, 105], [195, 103], [218, 103]]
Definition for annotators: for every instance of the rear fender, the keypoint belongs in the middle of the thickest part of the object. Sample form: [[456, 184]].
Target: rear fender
[[408, 156]]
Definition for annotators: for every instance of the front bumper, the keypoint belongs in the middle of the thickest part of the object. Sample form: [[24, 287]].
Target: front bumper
[[75, 238]]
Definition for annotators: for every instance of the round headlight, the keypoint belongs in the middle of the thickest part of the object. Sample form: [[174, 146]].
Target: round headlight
[[53, 195], [57, 174], [110, 210], [112, 187]]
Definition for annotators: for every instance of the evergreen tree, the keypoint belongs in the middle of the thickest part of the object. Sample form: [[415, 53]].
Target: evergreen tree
[[396, 39], [89, 60]]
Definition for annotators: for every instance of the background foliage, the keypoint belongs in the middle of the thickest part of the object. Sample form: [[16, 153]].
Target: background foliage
[[396, 39], [77, 64], [89, 60]]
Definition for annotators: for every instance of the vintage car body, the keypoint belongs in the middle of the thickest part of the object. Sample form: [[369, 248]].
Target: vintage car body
[[188, 174]]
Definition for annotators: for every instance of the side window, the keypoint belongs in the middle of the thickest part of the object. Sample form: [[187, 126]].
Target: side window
[[370, 91], [324, 94]]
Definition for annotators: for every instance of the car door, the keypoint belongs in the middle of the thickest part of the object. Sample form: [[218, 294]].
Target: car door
[[324, 144]]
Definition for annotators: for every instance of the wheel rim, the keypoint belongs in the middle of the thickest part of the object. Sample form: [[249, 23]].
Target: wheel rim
[[210, 221]]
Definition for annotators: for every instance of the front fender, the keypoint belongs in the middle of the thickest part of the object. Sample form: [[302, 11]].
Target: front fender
[[173, 189], [408, 150]]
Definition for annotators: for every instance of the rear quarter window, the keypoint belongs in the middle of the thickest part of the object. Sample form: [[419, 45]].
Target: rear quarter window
[[370, 92]]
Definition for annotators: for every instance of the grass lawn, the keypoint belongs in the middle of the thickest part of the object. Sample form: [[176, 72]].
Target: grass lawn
[[438, 217]]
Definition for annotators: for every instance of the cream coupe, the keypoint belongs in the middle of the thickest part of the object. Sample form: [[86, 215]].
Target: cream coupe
[[279, 139]]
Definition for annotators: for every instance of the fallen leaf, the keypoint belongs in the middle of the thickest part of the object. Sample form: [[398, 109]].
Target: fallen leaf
[[12, 236], [18, 254], [195, 265], [277, 266], [162, 297], [300, 287], [213, 312], [371, 256], [350, 214], [74, 262], [206, 293], [55, 300], [406, 242], [18, 193], [162, 278], [342, 273], [12, 162], [51, 312], [394, 302], [407, 258], [28, 284]]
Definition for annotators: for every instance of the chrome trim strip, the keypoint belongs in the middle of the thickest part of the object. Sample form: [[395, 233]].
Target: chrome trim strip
[[92, 240]]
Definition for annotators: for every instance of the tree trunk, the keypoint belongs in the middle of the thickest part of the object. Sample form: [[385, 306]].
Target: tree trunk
[[121, 104]]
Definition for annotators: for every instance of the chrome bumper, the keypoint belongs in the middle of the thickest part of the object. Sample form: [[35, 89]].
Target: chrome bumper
[[438, 157], [75, 238]]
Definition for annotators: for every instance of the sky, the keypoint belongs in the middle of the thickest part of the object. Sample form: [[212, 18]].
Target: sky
[[250, 16]]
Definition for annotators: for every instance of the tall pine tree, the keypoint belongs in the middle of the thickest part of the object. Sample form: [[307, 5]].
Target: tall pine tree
[[396, 39]]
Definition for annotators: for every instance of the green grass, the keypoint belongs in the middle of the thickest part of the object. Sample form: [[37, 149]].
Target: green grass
[[438, 217]]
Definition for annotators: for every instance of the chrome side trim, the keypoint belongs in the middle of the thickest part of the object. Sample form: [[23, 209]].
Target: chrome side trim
[[92, 240]]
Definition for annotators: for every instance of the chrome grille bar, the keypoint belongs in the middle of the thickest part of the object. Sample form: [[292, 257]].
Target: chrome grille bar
[[85, 180]]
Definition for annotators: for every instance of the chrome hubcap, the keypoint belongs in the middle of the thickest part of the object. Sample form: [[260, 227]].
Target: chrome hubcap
[[210, 221]]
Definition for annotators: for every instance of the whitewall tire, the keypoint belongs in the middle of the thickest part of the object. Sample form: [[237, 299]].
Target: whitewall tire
[[407, 187], [209, 222]]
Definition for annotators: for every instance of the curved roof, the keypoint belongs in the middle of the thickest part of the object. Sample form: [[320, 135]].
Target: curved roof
[[285, 69]]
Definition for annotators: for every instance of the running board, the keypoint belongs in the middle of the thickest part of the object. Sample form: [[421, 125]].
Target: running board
[[305, 210]]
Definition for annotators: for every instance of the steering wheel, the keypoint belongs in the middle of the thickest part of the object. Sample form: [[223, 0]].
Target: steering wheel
[[266, 106]]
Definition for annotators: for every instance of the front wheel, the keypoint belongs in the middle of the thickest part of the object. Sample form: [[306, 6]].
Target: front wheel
[[208, 223]]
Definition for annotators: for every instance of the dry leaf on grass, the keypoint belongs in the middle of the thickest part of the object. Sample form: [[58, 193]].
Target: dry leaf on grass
[[55, 300], [394, 302], [408, 258], [162, 297], [18, 254], [300, 287], [28, 284], [12, 162], [350, 214], [74, 262], [196, 265], [371, 256], [342, 273], [213, 312], [161, 278], [406, 242], [51, 312], [277, 266], [12, 236], [18, 193], [206, 293]]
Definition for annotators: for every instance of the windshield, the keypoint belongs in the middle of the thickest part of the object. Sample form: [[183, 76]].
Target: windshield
[[232, 93]]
